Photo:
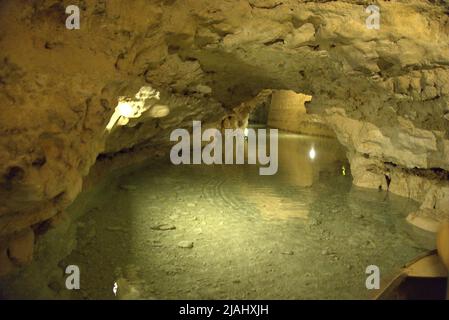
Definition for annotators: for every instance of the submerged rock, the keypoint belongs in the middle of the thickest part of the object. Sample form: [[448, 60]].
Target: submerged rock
[[427, 219], [116, 229], [164, 227], [128, 187], [185, 244]]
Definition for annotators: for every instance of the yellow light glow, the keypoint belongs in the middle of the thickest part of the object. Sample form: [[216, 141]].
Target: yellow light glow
[[113, 120], [312, 153], [159, 111], [125, 109], [133, 108], [245, 132]]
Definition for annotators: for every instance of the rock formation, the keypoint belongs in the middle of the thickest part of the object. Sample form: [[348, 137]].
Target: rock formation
[[383, 91], [288, 112]]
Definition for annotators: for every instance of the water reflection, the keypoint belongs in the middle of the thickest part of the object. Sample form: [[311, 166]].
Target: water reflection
[[296, 166], [302, 233], [290, 197], [242, 223]]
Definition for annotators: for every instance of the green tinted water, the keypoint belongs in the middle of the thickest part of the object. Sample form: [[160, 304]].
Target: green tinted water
[[303, 233]]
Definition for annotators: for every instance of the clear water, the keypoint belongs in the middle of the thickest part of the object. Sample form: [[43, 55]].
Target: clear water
[[303, 233]]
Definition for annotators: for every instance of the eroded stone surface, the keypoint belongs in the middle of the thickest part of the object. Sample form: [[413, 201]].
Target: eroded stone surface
[[288, 112], [389, 159]]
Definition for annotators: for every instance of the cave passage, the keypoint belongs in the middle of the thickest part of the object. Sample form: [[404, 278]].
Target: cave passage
[[161, 231], [356, 94]]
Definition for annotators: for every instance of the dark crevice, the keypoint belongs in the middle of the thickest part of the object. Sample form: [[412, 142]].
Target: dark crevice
[[273, 6], [430, 173], [272, 42], [388, 180], [14, 173], [39, 162], [314, 47], [58, 197]]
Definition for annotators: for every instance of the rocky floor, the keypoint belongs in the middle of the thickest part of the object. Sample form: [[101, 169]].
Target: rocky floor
[[161, 231]]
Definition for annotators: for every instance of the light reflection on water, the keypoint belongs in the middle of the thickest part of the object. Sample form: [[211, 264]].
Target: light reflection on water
[[243, 223], [303, 233]]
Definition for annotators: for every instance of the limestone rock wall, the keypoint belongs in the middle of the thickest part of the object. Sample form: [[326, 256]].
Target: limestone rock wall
[[59, 87], [403, 159], [288, 112]]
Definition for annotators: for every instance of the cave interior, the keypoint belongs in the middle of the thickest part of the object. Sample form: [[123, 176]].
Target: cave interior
[[233, 149]]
